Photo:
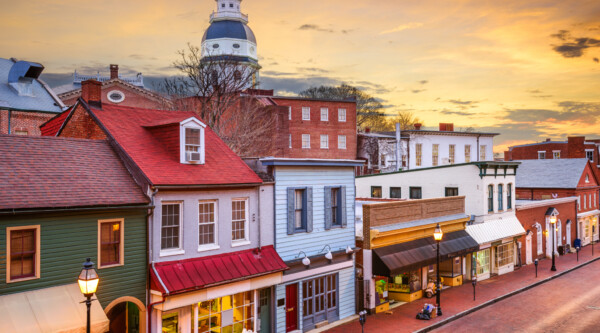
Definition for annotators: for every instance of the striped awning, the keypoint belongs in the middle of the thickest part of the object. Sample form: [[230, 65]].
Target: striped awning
[[495, 230]]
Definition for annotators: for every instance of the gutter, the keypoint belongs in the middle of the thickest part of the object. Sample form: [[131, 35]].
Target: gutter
[[72, 209], [204, 186], [151, 305], [149, 257]]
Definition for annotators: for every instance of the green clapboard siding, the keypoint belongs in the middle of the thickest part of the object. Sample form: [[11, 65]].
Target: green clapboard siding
[[68, 239]]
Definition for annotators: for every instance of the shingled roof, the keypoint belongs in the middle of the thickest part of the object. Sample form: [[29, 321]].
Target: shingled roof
[[49, 172], [551, 173]]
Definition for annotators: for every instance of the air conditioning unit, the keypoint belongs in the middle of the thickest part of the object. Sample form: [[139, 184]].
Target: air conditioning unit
[[192, 156]]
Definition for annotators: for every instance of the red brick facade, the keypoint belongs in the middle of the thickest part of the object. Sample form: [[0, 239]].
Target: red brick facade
[[134, 96], [82, 126], [315, 127], [530, 216], [574, 147], [23, 122]]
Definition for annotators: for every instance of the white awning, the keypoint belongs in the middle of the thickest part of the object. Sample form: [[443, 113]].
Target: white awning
[[495, 230], [590, 213], [56, 309]]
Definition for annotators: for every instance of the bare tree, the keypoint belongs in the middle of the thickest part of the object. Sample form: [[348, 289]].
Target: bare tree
[[406, 119], [369, 111]]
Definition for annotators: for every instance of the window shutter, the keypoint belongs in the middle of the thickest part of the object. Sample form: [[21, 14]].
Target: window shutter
[[309, 209], [327, 205], [342, 204], [290, 210]]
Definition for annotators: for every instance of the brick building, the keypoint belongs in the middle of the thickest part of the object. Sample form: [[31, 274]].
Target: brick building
[[116, 89], [534, 215], [26, 102], [561, 178]]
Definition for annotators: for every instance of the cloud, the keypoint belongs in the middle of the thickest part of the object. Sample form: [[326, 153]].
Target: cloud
[[534, 91], [596, 60], [411, 25], [455, 113], [579, 112], [423, 82], [312, 69], [276, 73], [416, 91], [315, 28], [294, 85], [573, 47], [459, 102]]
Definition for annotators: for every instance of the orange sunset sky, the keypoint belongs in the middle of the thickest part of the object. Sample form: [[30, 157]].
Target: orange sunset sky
[[529, 70]]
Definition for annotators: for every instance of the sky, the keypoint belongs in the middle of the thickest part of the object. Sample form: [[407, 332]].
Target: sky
[[529, 70]]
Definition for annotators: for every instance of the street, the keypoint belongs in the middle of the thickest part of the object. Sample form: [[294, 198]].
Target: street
[[570, 303]]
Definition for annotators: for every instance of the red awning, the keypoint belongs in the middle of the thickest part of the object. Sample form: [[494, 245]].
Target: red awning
[[173, 277]]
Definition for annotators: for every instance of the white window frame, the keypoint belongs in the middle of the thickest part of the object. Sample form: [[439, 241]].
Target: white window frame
[[467, 153], [193, 123], [342, 115], [418, 154], [305, 113], [341, 142], [324, 114], [452, 154], [246, 239], [177, 250], [324, 141], [307, 137], [541, 153], [482, 152], [289, 113], [38, 251], [435, 154], [290, 141], [540, 243], [215, 244], [589, 151], [556, 154], [121, 244]]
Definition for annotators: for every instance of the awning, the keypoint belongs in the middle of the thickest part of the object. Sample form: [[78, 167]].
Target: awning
[[174, 277], [55, 309], [398, 258], [495, 230]]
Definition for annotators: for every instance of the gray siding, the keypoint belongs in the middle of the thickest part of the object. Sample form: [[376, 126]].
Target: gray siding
[[67, 240], [338, 238]]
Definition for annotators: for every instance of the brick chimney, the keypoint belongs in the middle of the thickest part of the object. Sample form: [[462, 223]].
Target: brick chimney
[[417, 126], [447, 127], [91, 92], [576, 147], [114, 72]]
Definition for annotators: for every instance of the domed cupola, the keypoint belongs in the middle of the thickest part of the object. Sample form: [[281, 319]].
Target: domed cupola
[[229, 34]]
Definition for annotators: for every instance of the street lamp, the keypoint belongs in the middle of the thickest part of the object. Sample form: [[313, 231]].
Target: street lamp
[[474, 282], [437, 235], [593, 232], [88, 283], [553, 222]]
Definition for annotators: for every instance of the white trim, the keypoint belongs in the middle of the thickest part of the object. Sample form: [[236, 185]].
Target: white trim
[[326, 118], [121, 244], [240, 243], [590, 213], [191, 122], [160, 280], [305, 108], [215, 244], [246, 239], [177, 250], [208, 247], [38, 251], [541, 203], [115, 92], [317, 271]]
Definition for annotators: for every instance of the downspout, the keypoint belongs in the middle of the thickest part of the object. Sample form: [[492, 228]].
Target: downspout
[[477, 152], [9, 115], [398, 155], [148, 253], [151, 305], [258, 189]]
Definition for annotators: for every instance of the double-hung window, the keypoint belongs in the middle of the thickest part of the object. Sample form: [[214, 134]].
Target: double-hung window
[[335, 205], [467, 153], [482, 149], [451, 191], [170, 236], [299, 208], [500, 197], [306, 141], [451, 153], [336, 211], [207, 223], [541, 155], [305, 113], [324, 114], [324, 141], [239, 220], [192, 144], [342, 115], [509, 196], [589, 154], [435, 149], [419, 153], [341, 142], [415, 192], [289, 113], [111, 243], [23, 245], [490, 198], [556, 154]]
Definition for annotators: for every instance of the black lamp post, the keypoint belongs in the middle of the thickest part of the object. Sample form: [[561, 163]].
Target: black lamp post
[[536, 263], [593, 232], [362, 319], [553, 223], [437, 235], [474, 282], [88, 283]]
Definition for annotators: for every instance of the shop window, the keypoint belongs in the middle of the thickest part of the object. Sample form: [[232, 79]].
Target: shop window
[[376, 191], [207, 219], [451, 191], [408, 282], [171, 226], [435, 149], [319, 300], [234, 313], [23, 244], [170, 323], [395, 192], [415, 192], [483, 261], [504, 254], [111, 239], [239, 220]]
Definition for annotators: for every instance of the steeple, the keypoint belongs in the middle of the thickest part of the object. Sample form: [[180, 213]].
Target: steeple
[[228, 10]]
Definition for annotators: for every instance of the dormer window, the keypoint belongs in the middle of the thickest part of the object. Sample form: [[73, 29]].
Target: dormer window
[[192, 141]]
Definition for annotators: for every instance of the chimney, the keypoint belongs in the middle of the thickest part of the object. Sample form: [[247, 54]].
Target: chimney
[[417, 126], [91, 92], [114, 72], [548, 140], [367, 130], [447, 127]]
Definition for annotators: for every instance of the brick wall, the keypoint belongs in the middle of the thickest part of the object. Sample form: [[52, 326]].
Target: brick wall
[[528, 217], [574, 148], [28, 121], [81, 125], [133, 98], [541, 194], [315, 128]]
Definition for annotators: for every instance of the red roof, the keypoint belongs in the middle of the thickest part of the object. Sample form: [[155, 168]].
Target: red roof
[[154, 148], [51, 127], [49, 172], [173, 277]]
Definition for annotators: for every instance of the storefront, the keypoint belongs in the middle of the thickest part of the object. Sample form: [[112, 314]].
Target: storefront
[[497, 241], [405, 269], [228, 294], [588, 226]]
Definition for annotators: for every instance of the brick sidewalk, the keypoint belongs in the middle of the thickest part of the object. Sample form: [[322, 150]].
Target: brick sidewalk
[[458, 299]]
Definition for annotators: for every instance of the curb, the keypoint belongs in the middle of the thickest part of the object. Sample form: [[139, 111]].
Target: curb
[[500, 298]]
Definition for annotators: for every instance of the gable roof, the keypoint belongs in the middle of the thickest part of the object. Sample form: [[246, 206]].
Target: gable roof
[[72, 90], [552, 173], [39, 98], [139, 133], [52, 126], [48, 172]]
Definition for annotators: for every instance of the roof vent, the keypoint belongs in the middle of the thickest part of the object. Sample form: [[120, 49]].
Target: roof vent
[[22, 74]]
